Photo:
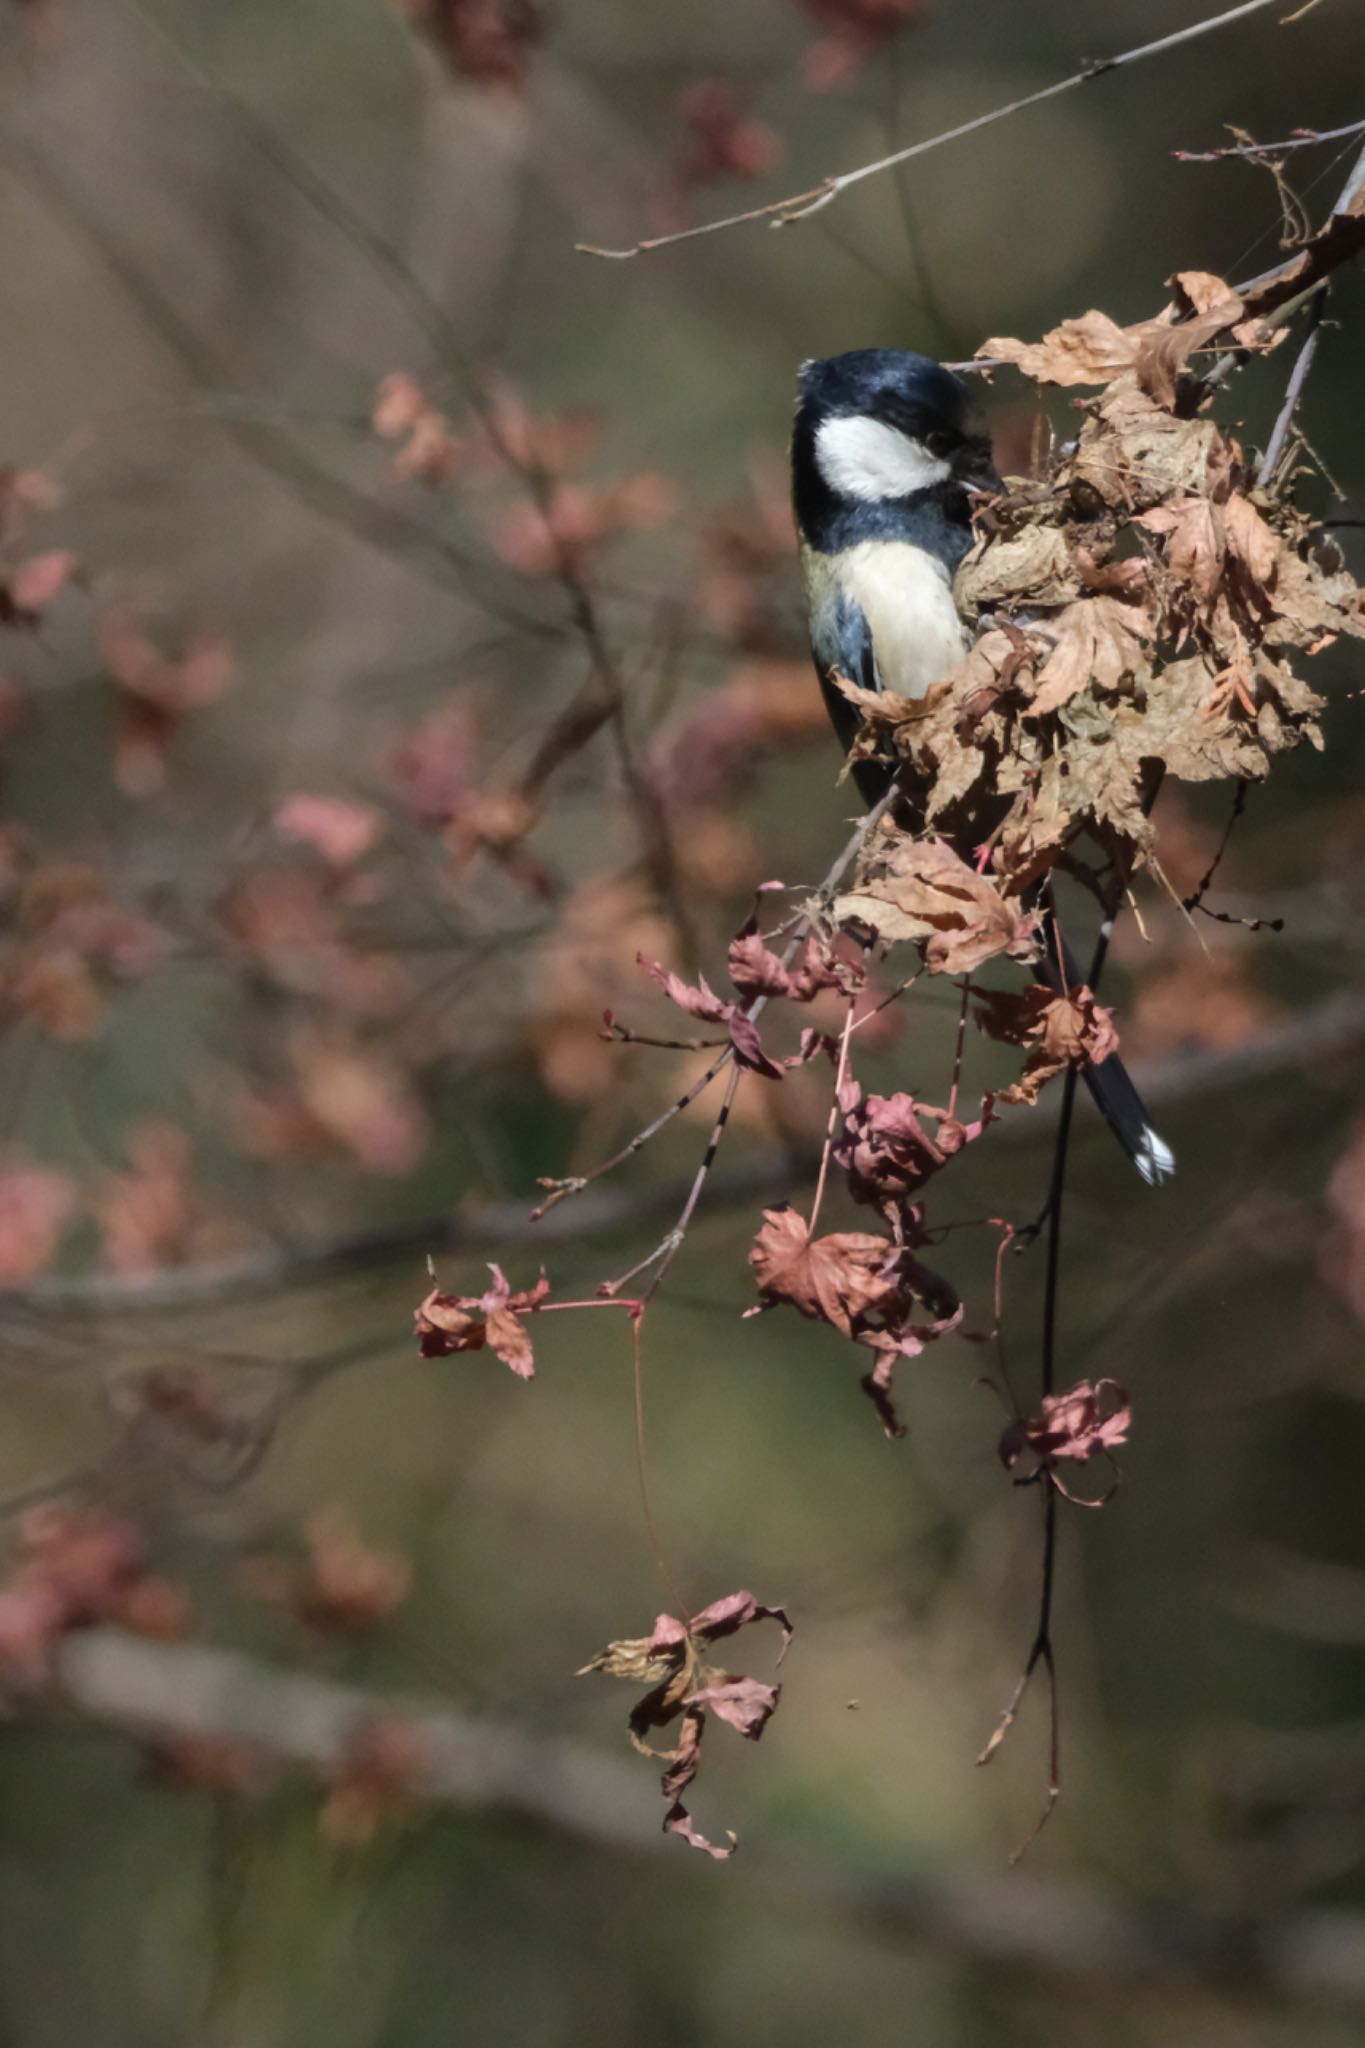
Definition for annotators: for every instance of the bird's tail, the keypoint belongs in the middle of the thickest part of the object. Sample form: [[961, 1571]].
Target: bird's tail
[[1109, 1082]]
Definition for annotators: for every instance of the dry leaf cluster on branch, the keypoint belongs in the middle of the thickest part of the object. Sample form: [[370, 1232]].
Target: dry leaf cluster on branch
[[1145, 610]]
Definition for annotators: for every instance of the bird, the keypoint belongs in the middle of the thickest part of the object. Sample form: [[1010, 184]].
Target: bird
[[887, 456]]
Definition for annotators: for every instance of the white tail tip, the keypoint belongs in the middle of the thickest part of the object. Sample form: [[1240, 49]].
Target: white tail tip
[[1154, 1158]]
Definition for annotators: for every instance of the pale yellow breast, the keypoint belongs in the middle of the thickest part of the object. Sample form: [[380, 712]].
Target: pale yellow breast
[[907, 600]]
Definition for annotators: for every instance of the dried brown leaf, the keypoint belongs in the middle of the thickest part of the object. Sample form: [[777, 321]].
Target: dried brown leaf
[[918, 888]]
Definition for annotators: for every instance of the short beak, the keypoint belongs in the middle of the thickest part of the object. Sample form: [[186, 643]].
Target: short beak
[[979, 475]]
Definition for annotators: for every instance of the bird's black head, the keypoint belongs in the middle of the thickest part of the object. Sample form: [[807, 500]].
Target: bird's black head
[[882, 426]]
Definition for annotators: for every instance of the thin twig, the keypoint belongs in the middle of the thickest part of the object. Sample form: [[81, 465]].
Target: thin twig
[[1299, 275], [800, 205], [1307, 139], [1298, 377], [575, 1184], [840, 1071]]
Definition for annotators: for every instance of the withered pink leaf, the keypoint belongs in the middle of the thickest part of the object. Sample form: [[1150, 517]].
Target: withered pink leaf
[[678, 1821], [1087, 1421], [36, 1205], [339, 829], [1058, 1028], [734, 1611], [746, 1703], [868, 1288], [754, 968], [830, 1279], [444, 1325], [887, 1152], [701, 1001], [749, 1047], [466, 1322], [683, 1688]]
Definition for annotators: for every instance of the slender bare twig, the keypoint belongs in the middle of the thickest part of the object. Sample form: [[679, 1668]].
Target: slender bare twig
[[1279, 292], [1329, 1029], [1298, 377], [560, 1190], [1308, 138], [840, 1071], [800, 205]]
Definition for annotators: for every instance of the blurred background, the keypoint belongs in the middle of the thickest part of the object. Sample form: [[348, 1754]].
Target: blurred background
[[400, 636]]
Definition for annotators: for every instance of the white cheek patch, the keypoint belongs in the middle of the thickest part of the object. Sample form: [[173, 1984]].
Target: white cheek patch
[[863, 458]]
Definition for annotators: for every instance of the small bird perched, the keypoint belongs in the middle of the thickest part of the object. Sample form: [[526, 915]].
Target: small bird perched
[[885, 461]]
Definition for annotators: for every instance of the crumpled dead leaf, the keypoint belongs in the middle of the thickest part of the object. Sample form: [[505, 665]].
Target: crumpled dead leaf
[[1098, 643], [671, 1661], [1060, 1029], [1088, 1421], [867, 1287], [1094, 349], [887, 1151], [918, 888], [466, 1322]]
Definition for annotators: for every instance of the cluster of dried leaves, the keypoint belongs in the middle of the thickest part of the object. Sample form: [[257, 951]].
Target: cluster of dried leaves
[[1145, 611], [672, 1663], [447, 1323]]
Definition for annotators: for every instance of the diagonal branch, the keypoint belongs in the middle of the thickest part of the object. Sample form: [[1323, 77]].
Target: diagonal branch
[[799, 205]]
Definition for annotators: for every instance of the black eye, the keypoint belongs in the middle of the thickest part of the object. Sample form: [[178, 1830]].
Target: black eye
[[940, 441]]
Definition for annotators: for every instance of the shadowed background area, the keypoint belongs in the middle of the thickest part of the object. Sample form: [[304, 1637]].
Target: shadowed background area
[[401, 635]]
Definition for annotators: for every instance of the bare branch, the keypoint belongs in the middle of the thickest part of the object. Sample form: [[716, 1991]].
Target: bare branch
[[1307, 138], [1330, 1028], [800, 205]]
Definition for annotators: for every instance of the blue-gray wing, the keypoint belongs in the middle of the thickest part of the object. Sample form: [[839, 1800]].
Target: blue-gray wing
[[841, 640]]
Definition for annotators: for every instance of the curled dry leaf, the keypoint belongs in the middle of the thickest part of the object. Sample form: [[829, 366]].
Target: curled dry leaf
[[466, 1322], [756, 971], [918, 888], [1058, 1029], [887, 1150], [684, 1688], [1095, 350], [1098, 643], [1088, 1421], [869, 1288]]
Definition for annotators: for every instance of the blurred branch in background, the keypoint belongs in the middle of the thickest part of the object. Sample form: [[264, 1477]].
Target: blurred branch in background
[[186, 1692]]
